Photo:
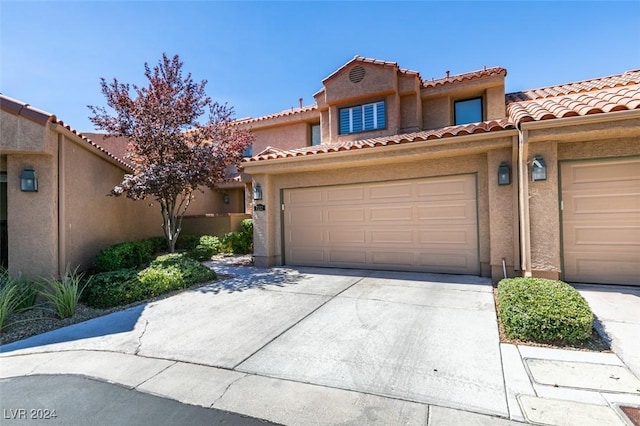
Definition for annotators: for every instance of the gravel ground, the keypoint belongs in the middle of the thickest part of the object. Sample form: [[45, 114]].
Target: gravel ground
[[43, 317]]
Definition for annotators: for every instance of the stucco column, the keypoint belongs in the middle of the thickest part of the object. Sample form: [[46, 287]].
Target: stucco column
[[264, 222], [32, 217]]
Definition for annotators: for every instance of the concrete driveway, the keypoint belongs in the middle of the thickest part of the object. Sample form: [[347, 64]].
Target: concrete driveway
[[406, 336]]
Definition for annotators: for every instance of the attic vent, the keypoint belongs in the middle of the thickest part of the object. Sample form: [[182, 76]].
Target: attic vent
[[356, 74]]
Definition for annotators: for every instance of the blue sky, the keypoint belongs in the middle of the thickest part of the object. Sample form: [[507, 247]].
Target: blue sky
[[260, 57]]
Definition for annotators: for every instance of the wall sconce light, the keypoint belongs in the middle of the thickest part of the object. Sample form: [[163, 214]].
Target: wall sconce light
[[225, 198], [504, 174], [28, 180], [257, 192], [538, 169]]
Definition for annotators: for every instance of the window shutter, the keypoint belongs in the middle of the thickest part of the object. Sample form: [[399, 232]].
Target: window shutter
[[344, 121], [380, 115], [369, 123], [356, 119]]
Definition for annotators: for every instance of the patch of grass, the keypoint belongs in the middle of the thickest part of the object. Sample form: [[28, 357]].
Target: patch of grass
[[541, 310], [166, 273], [64, 294]]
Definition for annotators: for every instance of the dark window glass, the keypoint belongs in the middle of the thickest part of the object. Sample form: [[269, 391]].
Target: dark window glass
[[468, 111]]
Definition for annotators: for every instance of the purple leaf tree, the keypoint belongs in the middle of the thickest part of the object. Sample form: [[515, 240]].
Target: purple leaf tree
[[172, 153]]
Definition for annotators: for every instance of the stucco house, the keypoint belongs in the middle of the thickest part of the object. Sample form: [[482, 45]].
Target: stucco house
[[54, 208], [392, 171]]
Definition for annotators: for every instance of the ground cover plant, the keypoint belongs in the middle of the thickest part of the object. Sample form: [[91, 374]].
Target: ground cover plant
[[165, 273], [541, 310]]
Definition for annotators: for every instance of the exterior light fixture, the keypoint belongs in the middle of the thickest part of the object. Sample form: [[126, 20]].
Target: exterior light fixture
[[257, 192], [504, 174], [28, 180], [225, 198], [538, 169]]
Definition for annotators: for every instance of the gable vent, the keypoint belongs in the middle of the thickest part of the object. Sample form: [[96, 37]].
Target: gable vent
[[356, 74]]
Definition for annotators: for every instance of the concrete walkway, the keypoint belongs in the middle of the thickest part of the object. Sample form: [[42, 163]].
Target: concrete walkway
[[328, 346]]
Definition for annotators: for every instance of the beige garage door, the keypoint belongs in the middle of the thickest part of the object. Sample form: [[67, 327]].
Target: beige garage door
[[601, 221], [414, 225]]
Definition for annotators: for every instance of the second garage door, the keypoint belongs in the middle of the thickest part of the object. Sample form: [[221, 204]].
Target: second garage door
[[601, 221], [426, 225]]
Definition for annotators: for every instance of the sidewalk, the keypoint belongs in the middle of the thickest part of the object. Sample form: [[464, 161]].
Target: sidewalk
[[542, 386]]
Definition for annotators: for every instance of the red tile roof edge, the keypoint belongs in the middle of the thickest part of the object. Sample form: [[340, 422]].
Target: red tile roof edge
[[458, 78], [285, 113], [437, 134], [629, 77], [22, 109]]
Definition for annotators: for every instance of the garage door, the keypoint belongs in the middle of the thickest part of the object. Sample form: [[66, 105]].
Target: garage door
[[601, 221], [413, 225]]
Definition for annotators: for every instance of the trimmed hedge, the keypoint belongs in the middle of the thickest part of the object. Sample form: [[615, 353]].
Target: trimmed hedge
[[166, 273], [126, 255], [206, 247], [542, 310]]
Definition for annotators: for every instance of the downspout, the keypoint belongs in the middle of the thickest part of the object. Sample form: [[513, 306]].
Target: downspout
[[516, 204], [62, 241], [523, 188]]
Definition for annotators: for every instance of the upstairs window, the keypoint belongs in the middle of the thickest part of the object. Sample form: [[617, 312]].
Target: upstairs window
[[467, 111], [248, 151], [315, 134], [362, 118]]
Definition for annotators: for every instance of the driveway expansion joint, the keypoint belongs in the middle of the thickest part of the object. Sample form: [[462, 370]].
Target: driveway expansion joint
[[297, 322]]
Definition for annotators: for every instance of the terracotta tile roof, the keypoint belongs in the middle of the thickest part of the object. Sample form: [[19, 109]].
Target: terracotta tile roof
[[586, 103], [489, 126], [285, 113], [619, 80], [458, 78], [16, 107]]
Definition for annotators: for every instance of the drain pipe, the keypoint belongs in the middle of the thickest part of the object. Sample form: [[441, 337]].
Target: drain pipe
[[504, 267], [523, 189]]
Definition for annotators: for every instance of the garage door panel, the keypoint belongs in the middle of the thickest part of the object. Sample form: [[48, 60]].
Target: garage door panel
[[397, 213], [345, 194], [448, 211], [352, 258], [385, 191], [346, 215], [301, 198], [346, 236], [601, 221], [600, 175], [619, 238], [597, 204], [386, 226]]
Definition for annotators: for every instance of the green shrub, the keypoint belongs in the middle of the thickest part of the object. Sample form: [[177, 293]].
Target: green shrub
[[125, 255], [166, 273], [543, 310], [64, 294], [114, 288], [187, 242], [207, 246], [239, 242]]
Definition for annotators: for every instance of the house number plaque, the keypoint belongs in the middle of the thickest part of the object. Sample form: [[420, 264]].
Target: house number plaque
[[259, 208]]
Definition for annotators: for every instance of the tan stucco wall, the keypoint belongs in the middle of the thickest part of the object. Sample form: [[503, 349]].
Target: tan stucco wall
[[410, 114], [267, 224], [501, 214], [436, 113], [20, 135], [32, 224], [494, 105], [377, 80], [217, 225], [93, 220], [290, 136]]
